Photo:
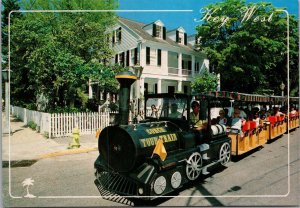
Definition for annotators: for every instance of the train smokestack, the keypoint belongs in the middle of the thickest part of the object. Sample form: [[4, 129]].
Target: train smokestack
[[126, 79]]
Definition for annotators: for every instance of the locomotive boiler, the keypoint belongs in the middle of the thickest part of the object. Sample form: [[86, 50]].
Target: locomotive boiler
[[157, 155]]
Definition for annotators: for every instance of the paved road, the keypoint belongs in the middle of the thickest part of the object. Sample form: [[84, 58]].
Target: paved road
[[262, 178]]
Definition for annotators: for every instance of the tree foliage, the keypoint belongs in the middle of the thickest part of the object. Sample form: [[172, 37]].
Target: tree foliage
[[204, 82], [247, 45], [55, 54]]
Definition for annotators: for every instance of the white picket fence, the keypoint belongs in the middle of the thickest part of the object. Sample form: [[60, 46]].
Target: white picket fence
[[88, 123], [62, 124]]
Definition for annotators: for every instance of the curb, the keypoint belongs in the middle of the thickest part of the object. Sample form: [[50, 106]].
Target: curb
[[67, 152]]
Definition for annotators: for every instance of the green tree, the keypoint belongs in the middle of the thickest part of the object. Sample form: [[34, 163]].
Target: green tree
[[8, 6], [55, 54], [204, 82], [246, 44]]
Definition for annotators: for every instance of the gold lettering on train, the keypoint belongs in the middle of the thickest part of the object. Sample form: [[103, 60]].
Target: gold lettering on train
[[156, 130], [151, 141]]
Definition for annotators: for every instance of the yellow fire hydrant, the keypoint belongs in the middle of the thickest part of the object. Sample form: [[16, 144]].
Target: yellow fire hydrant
[[98, 133], [75, 139]]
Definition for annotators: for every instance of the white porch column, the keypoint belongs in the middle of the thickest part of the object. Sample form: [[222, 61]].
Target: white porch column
[[159, 86], [219, 82], [141, 87], [90, 90], [101, 95], [141, 95], [193, 65], [179, 86], [180, 64]]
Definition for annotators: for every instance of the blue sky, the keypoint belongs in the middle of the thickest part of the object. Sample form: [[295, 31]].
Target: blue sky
[[173, 20]]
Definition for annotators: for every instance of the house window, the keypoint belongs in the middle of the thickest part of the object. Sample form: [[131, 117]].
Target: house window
[[185, 89], [134, 56], [119, 34], [180, 37], [158, 31], [147, 55], [122, 59]]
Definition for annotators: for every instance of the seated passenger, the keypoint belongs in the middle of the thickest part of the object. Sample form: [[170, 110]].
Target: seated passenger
[[174, 113], [256, 119], [154, 112], [195, 119], [222, 118], [242, 113], [236, 121], [277, 112], [293, 111]]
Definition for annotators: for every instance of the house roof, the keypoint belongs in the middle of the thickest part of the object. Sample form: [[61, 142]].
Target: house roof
[[137, 27]]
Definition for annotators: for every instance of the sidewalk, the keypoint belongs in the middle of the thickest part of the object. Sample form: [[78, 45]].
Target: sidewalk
[[26, 144]]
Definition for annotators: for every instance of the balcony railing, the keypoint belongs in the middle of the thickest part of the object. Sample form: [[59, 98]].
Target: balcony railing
[[186, 72], [172, 70]]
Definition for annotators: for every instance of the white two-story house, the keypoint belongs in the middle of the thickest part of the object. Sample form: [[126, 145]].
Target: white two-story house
[[169, 58]]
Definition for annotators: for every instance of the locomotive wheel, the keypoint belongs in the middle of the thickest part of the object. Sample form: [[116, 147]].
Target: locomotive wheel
[[225, 153], [193, 166]]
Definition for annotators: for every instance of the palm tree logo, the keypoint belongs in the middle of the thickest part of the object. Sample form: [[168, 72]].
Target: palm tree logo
[[28, 182]]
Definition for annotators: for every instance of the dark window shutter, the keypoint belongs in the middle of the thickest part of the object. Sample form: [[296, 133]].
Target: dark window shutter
[[116, 58], [145, 88], [158, 57], [189, 65], [135, 55], [147, 55], [154, 30], [113, 37], [155, 88], [120, 34], [177, 36], [127, 58], [123, 59], [164, 33], [182, 64], [185, 39]]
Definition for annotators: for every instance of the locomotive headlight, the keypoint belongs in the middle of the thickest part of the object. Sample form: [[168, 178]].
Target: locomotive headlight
[[160, 185], [176, 180], [141, 191]]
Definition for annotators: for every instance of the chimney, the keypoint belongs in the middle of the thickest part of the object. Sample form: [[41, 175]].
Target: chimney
[[126, 79]]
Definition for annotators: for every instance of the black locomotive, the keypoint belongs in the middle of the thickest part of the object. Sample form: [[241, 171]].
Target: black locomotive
[[159, 154]]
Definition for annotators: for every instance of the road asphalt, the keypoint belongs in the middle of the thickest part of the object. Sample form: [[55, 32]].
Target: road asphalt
[[26, 144]]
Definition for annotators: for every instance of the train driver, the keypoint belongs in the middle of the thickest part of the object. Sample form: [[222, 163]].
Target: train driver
[[198, 124]]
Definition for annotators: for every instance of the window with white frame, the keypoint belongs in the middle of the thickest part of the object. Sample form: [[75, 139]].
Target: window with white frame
[[159, 31], [181, 37]]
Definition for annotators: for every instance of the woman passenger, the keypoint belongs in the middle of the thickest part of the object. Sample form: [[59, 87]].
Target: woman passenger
[[222, 118]]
